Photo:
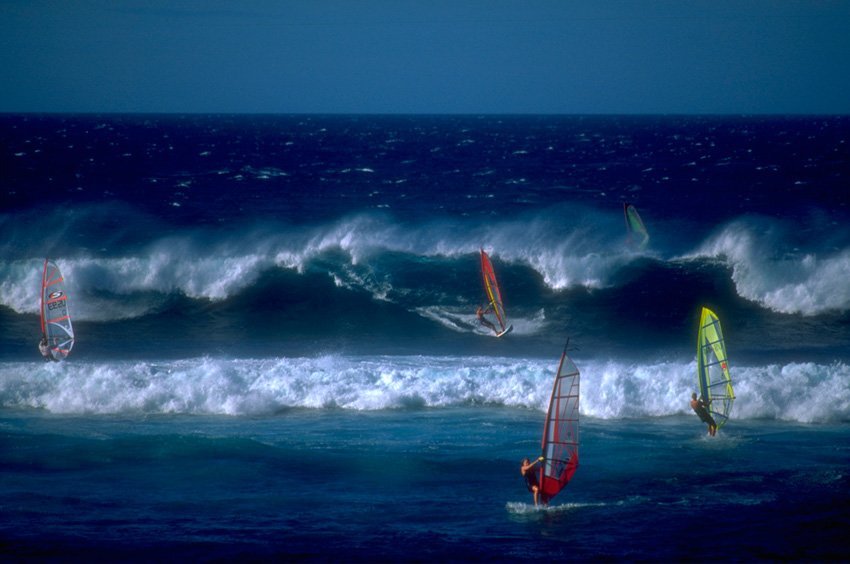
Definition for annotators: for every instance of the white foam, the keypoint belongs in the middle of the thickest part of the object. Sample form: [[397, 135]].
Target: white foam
[[529, 509], [799, 282], [569, 247], [161, 272], [465, 320], [215, 266], [803, 392]]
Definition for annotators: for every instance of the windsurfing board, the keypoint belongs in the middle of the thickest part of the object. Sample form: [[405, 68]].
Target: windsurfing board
[[506, 331]]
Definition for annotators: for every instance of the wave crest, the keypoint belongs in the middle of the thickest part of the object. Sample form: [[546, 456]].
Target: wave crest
[[215, 266], [785, 282], [566, 247]]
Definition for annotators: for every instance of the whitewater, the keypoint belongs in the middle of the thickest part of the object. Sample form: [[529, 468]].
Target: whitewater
[[801, 392]]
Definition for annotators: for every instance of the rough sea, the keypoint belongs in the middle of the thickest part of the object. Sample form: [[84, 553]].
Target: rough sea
[[277, 353]]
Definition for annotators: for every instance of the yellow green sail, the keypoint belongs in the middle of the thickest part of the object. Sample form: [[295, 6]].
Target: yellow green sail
[[638, 236], [715, 383]]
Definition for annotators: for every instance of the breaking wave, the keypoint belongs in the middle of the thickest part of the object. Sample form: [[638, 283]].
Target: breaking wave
[[802, 392], [778, 275], [566, 248]]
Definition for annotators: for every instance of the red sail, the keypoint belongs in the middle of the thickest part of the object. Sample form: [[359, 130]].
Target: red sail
[[491, 286]]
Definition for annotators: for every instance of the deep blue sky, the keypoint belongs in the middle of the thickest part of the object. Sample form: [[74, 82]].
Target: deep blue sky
[[426, 56]]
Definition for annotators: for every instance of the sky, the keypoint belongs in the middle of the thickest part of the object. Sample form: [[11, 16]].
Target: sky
[[426, 56]]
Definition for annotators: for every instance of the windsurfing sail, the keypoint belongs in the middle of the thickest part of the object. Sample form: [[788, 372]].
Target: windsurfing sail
[[560, 433], [715, 383], [55, 319], [637, 233], [491, 286]]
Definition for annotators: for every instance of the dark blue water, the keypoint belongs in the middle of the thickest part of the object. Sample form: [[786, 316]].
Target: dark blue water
[[277, 352], [416, 485]]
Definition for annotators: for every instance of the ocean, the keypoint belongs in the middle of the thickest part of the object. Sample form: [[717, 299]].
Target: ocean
[[277, 353]]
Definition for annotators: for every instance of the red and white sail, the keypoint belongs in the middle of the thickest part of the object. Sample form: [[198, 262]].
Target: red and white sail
[[560, 433]]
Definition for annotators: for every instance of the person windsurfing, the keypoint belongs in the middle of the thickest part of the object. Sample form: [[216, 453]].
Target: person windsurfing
[[480, 313], [531, 478], [699, 407], [44, 348]]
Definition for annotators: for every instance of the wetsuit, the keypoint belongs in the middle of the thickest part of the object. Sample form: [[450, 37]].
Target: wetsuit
[[531, 479]]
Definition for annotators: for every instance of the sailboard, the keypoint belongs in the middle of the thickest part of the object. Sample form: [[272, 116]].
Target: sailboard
[[713, 379], [637, 233], [56, 324], [560, 432], [494, 295]]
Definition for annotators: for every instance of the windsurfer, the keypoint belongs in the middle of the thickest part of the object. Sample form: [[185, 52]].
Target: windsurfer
[[480, 313], [44, 349], [699, 407], [531, 478]]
